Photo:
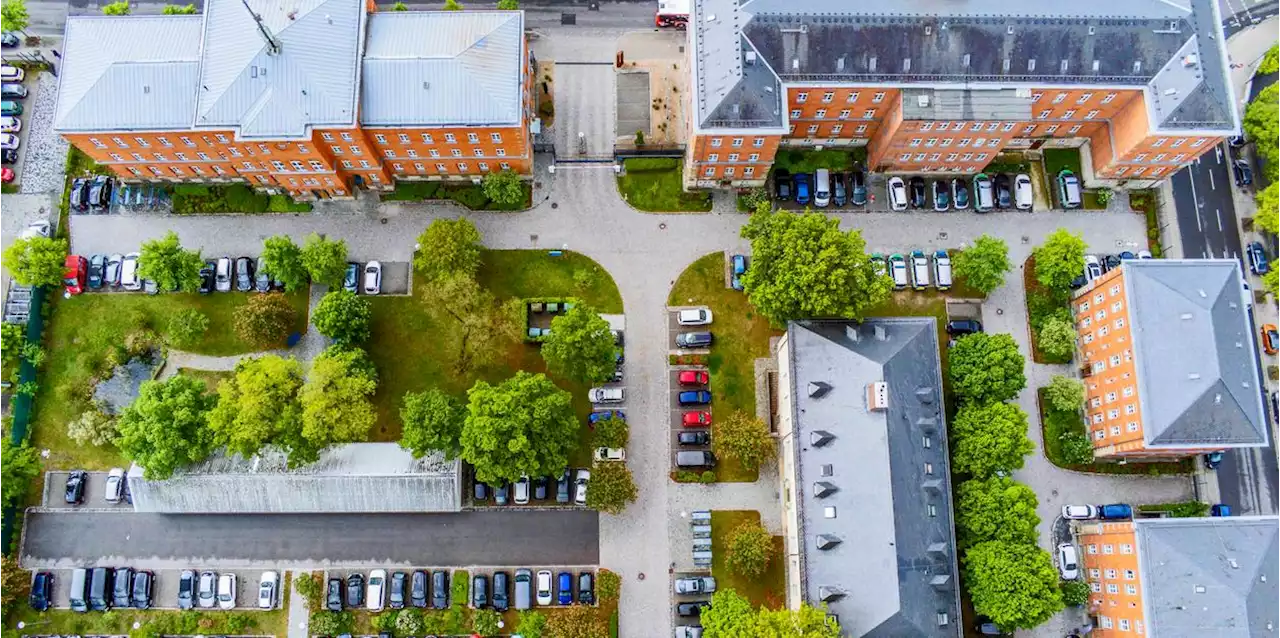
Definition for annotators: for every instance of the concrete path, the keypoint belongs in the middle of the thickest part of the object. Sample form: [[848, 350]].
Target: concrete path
[[299, 612]]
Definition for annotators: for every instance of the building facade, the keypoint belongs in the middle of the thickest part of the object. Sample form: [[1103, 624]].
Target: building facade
[[1142, 87], [1167, 355], [314, 99]]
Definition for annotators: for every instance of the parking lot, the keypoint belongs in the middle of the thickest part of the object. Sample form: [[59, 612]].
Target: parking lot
[[574, 571], [699, 411], [916, 193], [164, 589], [95, 492], [677, 411], [690, 618]]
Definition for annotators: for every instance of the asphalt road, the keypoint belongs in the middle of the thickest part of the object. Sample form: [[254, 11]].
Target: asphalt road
[[156, 541]]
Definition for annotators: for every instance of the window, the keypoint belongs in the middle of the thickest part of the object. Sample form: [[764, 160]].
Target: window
[[919, 157], [933, 141], [355, 150], [802, 97], [934, 157], [951, 157], [1084, 98], [916, 142], [496, 138], [979, 141], [397, 167], [813, 128], [1044, 115], [733, 157], [316, 165], [1129, 574], [176, 171], [441, 168], [337, 150], [877, 98], [1069, 114], [164, 141], [449, 138], [365, 164], [160, 157], [942, 126], [389, 153], [427, 139], [1197, 143], [1108, 549], [728, 171], [1179, 157], [1074, 129], [501, 152], [484, 167], [905, 157], [737, 142], [992, 127], [1058, 99], [380, 138], [504, 166], [297, 165], [433, 152], [862, 128], [404, 138], [1091, 549], [412, 153], [1124, 623], [1091, 114], [181, 156], [754, 157], [417, 166], [968, 156], [456, 152], [346, 137], [975, 127], [758, 142], [795, 114], [1105, 621], [927, 126], [1008, 126], [463, 167], [117, 157], [821, 113], [1115, 430], [964, 142], [1053, 128], [1029, 129], [473, 138], [749, 171], [1107, 99], [715, 142], [1139, 157], [1131, 426], [828, 96], [477, 152], [709, 172]]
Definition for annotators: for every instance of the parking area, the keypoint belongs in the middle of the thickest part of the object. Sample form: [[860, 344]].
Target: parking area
[[687, 606], [673, 331], [573, 592], [860, 191], [95, 492], [697, 429], [164, 587]]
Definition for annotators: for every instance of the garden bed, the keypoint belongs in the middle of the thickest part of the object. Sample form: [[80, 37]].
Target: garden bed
[[1145, 202], [199, 199], [656, 185], [1042, 304], [468, 195], [797, 160], [768, 590], [1055, 423]]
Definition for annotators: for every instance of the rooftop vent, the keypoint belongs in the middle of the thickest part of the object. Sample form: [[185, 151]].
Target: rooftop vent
[[751, 58], [1171, 92], [933, 486], [1096, 65], [877, 395], [795, 64], [1200, 589], [937, 550], [851, 331], [823, 489], [840, 64], [871, 64], [923, 101], [1190, 60], [827, 541], [829, 511], [1137, 66], [1092, 30], [941, 582], [1186, 316], [943, 619], [1232, 562], [1062, 66], [1009, 30], [827, 470], [966, 60], [928, 30], [924, 394], [1202, 293], [830, 594], [1006, 65], [820, 438], [1193, 376], [906, 65], [818, 389], [1031, 65], [881, 333]]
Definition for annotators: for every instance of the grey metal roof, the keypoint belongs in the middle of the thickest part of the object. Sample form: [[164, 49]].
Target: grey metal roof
[[310, 81], [128, 73], [1198, 382], [469, 71], [1210, 576], [735, 86], [966, 104], [971, 42], [894, 570], [358, 477]]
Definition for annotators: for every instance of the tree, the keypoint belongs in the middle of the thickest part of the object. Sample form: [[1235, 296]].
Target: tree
[[531, 624], [1059, 260], [187, 326], [337, 401], [804, 266], [37, 261], [729, 616], [15, 582], [610, 432], [504, 187], [120, 8], [258, 405], [987, 367], [805, 622], [580, 347], [432, 422], [1013, 584], [522, 426], [1057, 338], [484, 327], [578, 621], [989, 438], [448, 247], [1075, 593], [93, 427], [508, 5], [744, 437], [265, 320], [19, 465], [165, 262], [485, 622], [750, 549], [1076, 447], [452, 5], [399, 6], [1271, 281], [282, 260], [1064, 394], [166, 427], [1269, 64], [325, 260], [984, 264], [1261, 126], [1267, 219], [612, 487], [995, 509], [179, 9], [343, 317], [13, 13]]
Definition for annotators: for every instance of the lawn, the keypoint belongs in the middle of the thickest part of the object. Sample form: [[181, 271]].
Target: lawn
[[211, 378], [199, 199], [741, 337], [655, 185], [412, 353], [85, 330], [808, 161], [1057, 159], [768, 590]]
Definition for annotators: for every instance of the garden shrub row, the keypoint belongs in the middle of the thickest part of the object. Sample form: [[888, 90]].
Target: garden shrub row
[[471, 196], [199, 199]]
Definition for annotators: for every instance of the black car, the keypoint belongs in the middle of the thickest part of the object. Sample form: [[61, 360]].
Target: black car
[[1243, 174], [206, 277], [586, 588], [1109, 262], [481, 491], [75, 487], [122, 592], [41, 591], [79, 198], [782, 185], [700, 437], [963, 327], [418, 589], [500, 587], [479, 591], [540, 488], [959, 193], [502, 494], [917, 192], [9, 40], [9, 156], [142, 589], [1079, 282], [187, 589], [395, 599], [355, 590], [692, 609], [100, 192], [244, 274], [439, 589], [857, 188], [333, 595], [562, 488], [97, 271], [1004, 196]]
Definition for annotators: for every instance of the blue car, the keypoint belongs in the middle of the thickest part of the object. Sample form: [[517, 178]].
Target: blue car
[[695, 397], [804, 193], [564, 588], [739, 267], [1115, 511], [606, 414], [1221, 509], [1257, 258]]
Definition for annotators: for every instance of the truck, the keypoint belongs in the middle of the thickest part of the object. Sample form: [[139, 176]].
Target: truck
[[672, 13]]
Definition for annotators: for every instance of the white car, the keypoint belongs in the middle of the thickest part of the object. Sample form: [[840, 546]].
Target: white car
[[694, 317], [115, 485], [897, 194], [377, 590], [222, 275], [9, 142], [1022, 197], [1144, 254], [10, 124], [611, 454], [372, 278], [580, 481], [1068, 562], [521, 490], [1079, 512], [268, 588], [12, 74], [227, 591], [605, 395], [129, 272], [544, 587], [1092, 267]]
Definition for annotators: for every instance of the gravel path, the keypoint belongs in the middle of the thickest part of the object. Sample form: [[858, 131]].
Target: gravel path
[[44, 164]]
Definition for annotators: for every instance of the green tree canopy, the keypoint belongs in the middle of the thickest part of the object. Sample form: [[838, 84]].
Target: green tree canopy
[[611, 488], [399, 6], [265, 320], [258, 405], [1262, 126], [13, 13], [805, 622], [732, 616], [578, 621], [1267, 219], [611, 432], [337, 401], [37, 261], [1013, 584], [1057, 338], [1059, 260], [504, 187], [522, 426], [744, 437], [93, 427], [1270, 62], [448, 247], [1271, 281], [167, 263], [984, 264], [989, 438], [804, 266], [343, 317], [987, 367], [19, 465], [166, 427], [179, 9], [995, 509], [483, 325], [580, 346], [729, 616], [531, 624], [1075, 593], [452, 5], [282, 260], [325, 260], [1065, 394], [120, 8], [750, 549], [432, 422], [508, 5]]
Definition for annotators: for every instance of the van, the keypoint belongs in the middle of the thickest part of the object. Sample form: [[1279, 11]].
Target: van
[[100, 589], [524, 589], [822, 188], [983, 196], [79, 590], [699, 458], [1022, 192]]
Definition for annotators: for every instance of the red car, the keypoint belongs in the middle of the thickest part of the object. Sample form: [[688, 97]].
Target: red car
[[6, 175], [698, 419], [694, 377], [76, 275]]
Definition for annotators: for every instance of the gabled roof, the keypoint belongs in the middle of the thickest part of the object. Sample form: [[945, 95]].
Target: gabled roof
[[467, 71], [310, 79], [1198, 380], [128, 73], [1212, 576]]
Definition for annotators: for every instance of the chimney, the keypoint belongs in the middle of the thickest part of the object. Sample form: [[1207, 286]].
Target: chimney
[[881, 333], [818, 389], [877, 396], [851, 331], [924, 394], [937, 550], [820, 438]]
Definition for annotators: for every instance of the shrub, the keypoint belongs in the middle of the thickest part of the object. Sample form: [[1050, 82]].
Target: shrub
[[1057, 339], [652, 164], [186, 327], [608, 586], [93, 427], [386, 621], [1075, 593], [707, 477], [1064, 394], [265, 320], [750, 549], [330, 623], [485, 622], [1076, 448]]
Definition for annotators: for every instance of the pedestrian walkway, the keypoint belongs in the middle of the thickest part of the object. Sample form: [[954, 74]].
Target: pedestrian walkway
[[299, 612]]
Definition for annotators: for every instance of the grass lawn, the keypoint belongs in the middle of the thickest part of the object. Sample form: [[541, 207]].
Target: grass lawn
[[768, 590], [655, 185], [1057, 159], [742, 336], [211, 378], [808, 161], [413, 346], [83, 331]]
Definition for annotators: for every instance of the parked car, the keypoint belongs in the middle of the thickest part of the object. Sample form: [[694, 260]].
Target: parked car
[[917, 192], [958, 327], [1068, 189], [79, 198], [986, 627], [142, 585], [261, 280], [523, 589], [115, 485], [100, 588], [373, 278], [942, 270], [839, 193], [605, 395], [129, 279], [564, 588], [350, 280], [694, 397], [500, 600], [897, 194], [522, 491], [13, 91], [693, 340], [1242, 173], [1270, 338], [1220, 509], [696, 437], [586, 588], [941, 196], [580, 480], [1068, 562], [418, 589], [692, 609], [1022, 194], [696, 419], [333, 595], [187, 589], [959, 193], [857, 188], [540, 488], [479, 591], [562, 488], [822, 188], [544, 587], [803, 188], [6, 174], [610, 454], [688, 631], [1212, 460], [100, 192], [1115, 511], [1126, 255], [10, 40], [502, 494], [207, 596], [694, 317], [399, 585], [12, 74], [1257, 258], [898, 271], [693, 377], [227, 591], [481, 491], [878, 262], [244, 274], [9, 142], [782, 185], [1004, 195], [738, 268], [1092, 267], [9, 107], [919, 270], [984, 198], [376, 592], [600, 415], [222, 275], [74, 492], [41, 591], [355, 591], [439, 589], [207, 277], [1079, 512], [695, 585], [10, 124]]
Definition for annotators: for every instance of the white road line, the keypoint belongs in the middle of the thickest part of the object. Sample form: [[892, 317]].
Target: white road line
[[1219, 211], [1217, 151], [1212, 185]]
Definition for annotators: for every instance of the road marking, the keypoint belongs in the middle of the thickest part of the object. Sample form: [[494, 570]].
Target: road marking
[[1212, 185], [1219, 210], [1217, 151]]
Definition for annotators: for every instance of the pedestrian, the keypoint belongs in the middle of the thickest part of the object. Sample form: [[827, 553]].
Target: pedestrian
[[56, 54]]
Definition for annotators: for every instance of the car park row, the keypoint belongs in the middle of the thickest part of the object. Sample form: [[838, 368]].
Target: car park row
[[917, 270], [500, 590], [106, 588], [11, 90], [984, 192], [691, 396], [571, 485], [118, 271], [692, 596]]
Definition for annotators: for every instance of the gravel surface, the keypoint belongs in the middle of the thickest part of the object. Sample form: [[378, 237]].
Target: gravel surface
[[44, 166]]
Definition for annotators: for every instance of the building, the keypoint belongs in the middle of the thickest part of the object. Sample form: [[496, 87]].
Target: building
[[867, 516], [352, 478], [1179, 577], [1143, 87], [1167, 353], [313, 98]]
